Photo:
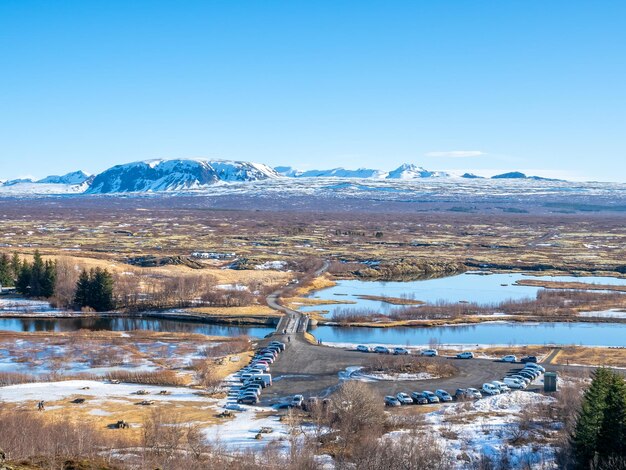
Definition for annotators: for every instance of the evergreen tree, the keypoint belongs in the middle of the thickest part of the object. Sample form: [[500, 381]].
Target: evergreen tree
[[16, 265], [590, 419], [22, 285], [36, 275], [102, 290], [6, 273], [612, 436], [600, 430], [48, 279], [81, 297], [95, 289]]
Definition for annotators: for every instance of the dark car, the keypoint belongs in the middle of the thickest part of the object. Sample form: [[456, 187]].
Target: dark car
[[419, 399], [526, 359]]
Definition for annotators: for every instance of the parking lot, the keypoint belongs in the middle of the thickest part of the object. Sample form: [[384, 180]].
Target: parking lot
[[313, 370]]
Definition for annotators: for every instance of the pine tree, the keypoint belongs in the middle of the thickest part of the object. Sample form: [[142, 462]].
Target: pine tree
[[612, 436], [16, 265], [6, 273], [48, 279], [102, 290], [22, 284], [590, 419], [81, 297], [36, 276]]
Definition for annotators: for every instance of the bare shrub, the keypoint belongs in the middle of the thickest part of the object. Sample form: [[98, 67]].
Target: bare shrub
[[161, 377]]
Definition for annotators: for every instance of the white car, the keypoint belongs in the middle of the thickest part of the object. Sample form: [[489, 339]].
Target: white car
[[404, 398], [509, 358], [400, 351], [490, 389], [514, 383], [362, 348], [296, 401], [465, 355], [429, 352], [501, 386], [381, 350]]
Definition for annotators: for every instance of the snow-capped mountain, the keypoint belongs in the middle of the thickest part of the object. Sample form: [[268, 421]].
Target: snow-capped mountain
[[75, 177], [333, 173], [176, 175], [408, 171]]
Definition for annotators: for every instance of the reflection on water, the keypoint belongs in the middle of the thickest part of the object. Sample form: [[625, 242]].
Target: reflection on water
[[489, 289], [128, 324], [587, 334]]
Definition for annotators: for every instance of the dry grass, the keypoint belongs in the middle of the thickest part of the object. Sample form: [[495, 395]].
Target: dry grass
[[612, 357]]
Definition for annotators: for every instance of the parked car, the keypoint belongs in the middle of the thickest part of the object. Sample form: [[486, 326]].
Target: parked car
[[362, 348], [529, 375], [430, 396], [252, 386], [400, 351], [390, 400], [501, 386], [509, 358], [535, 366], [531, 370], [263, 366], [248, 400], [465, 355], [467, 394], [296, 401], [381, 350], [514, 383], [490, 389], [282, 346], [404, 398], [429, 352], [443, 395], [526, 359], [473, 393], [419, 398], [526, 380]]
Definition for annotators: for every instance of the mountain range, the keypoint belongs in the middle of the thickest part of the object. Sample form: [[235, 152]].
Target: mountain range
[[193, 174]]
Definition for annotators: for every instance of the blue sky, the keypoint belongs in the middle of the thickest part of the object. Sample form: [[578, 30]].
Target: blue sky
[[538, 86]]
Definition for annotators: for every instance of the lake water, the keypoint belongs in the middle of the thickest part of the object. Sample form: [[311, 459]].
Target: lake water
[[586, 334], [484, 289], [129, 324]]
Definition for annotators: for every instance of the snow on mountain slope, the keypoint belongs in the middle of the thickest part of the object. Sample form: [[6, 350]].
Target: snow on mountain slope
[[176, 175], [75, 177], [409, 171]]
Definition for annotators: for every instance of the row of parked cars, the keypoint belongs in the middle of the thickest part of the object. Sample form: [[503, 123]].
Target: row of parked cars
[[256, 375], [518, 380], [395, 351]]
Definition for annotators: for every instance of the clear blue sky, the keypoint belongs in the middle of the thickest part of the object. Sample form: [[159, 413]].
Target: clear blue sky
[[530, 85]]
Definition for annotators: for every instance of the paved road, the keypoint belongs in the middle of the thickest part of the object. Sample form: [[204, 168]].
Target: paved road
[[293, 321]]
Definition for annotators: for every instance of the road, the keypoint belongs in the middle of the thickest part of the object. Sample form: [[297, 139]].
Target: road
[[316, 370]]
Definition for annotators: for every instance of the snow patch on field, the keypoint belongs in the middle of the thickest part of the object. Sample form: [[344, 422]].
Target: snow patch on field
[[52, 391], [272, 265], [491, 427], [612, 313]]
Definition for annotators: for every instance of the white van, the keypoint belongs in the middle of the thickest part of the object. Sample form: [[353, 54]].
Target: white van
[[512, 382]]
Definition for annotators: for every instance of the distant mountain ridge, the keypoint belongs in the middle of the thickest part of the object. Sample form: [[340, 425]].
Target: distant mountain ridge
[[163, 175], [176, 175]]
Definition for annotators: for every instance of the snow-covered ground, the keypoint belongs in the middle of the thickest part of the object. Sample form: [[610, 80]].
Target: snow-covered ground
[[356, 373], [272, 265], [19, 305], [612, 313], [53, 391], [491, 427]]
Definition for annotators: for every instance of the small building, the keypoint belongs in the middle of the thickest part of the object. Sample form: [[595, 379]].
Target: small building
[[549, 382]]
